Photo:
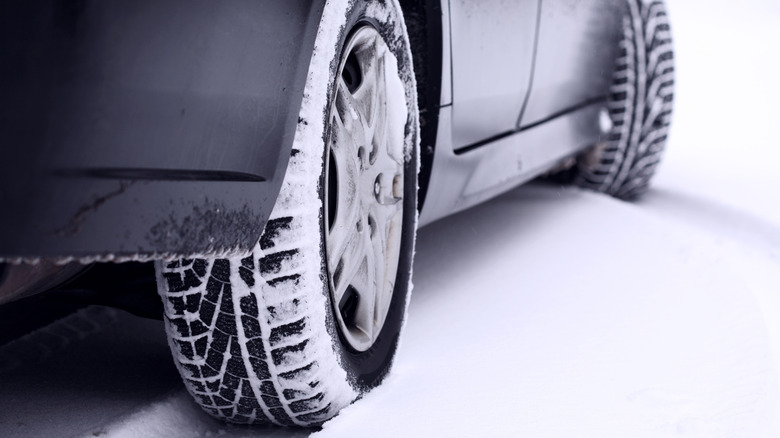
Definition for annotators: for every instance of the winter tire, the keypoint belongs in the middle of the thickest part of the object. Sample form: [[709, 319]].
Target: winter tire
[[640, 106], [306, 323]]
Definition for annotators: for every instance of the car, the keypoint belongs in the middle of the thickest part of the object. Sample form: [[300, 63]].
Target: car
[[273, 160]]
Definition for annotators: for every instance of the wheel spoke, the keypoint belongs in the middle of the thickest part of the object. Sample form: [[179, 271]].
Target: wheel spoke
[[351, 113], [347, 171], [372, 96], [346, 261], [344, 146], [364, 283], [366, 94]]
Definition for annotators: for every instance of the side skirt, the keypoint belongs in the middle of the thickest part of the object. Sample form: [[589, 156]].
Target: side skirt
[[462, 180]]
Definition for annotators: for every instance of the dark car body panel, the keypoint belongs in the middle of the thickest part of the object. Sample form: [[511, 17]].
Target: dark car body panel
[[146, 126], [153, 128]]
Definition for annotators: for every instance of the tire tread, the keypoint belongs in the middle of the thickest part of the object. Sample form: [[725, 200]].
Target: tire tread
[[641, 99]]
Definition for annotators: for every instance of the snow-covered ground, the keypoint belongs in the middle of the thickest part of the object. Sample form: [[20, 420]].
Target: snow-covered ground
[[547, 312]]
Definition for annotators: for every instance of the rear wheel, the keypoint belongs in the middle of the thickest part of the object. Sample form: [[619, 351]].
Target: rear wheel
[[640, 107], [295, 331]]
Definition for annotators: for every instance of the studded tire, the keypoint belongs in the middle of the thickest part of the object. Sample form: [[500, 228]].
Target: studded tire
[[640, 106], [256, 337]]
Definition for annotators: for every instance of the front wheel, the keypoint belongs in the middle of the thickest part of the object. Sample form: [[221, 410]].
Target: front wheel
[[640, 107], [310, 320]]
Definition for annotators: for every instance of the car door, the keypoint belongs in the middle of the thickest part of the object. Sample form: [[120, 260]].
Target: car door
[[492, 55], [575, 55]]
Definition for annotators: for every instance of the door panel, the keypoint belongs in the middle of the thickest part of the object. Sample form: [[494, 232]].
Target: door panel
[[575, 55], [492, 55]]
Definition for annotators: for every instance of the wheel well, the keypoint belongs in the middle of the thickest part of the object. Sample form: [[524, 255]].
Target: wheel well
[[424, 24]]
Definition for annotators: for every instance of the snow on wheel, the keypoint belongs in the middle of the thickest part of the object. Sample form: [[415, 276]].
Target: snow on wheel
[[299, 328], [640, 107]]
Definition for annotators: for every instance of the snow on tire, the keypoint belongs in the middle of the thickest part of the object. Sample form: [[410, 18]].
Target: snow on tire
[[640, 106], [263, 338]]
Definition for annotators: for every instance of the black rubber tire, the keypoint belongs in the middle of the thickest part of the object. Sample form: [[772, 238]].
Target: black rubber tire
[[641, 100], [254, 336]]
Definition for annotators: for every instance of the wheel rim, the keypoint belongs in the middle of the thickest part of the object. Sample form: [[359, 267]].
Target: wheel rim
[[364, 187]]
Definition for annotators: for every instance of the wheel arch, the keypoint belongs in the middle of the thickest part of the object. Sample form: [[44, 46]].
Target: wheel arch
[[424, 24]]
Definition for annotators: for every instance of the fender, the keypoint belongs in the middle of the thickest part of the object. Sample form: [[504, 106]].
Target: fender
[[144, 129]]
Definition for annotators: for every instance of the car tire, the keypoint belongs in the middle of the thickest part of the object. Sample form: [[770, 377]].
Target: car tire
[[310, 320], [640, 107]]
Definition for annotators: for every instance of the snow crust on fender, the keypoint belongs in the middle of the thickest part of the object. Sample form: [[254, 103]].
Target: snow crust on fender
[[253, 336]]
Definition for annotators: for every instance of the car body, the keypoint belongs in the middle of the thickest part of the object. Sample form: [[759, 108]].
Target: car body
[[151, 129]]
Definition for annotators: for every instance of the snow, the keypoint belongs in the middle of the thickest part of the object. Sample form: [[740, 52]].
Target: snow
[[548, 312], [724, 138], [652, 331]]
